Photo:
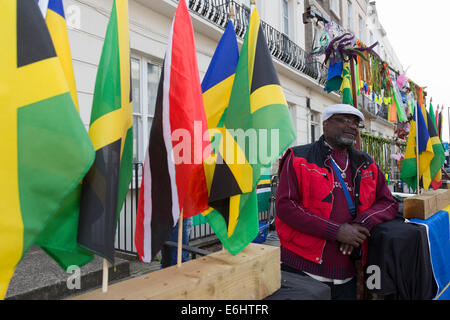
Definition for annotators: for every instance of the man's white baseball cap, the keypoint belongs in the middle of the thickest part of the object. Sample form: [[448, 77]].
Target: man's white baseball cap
[[341, 109]]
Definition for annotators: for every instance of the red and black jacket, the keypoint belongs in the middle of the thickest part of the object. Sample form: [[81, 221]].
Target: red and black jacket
[[305, 198]]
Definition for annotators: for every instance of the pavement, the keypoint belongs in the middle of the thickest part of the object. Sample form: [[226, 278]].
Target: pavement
[[38, 277]]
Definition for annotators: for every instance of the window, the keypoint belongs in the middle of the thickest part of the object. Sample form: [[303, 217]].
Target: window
[[349, 16], [285, 16], [144, 79], [334, 7], [246, 3], [361, 28], [314, 127]]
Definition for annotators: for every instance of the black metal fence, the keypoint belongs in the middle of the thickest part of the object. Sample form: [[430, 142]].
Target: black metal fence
[[126, 224]]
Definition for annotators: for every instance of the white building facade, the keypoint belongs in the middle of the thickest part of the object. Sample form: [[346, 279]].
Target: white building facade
[[150, 22], [301, 76]]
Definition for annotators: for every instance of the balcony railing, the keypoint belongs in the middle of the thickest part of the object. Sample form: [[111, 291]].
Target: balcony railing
[[281, 47]]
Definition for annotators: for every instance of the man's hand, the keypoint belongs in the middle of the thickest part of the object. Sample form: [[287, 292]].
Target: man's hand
[[346, 249], [352, 234]]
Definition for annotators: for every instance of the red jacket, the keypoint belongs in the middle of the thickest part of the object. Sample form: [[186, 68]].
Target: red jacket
[[304, 202]]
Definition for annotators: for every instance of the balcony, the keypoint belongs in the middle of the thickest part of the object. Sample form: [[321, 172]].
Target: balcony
[[281, 47]]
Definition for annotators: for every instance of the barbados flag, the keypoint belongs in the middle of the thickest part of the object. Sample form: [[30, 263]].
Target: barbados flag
[[46, 150], [438, 233], [256, 113]]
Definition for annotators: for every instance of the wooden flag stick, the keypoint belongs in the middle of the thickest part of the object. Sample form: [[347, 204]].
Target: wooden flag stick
[[417, 148], [180, 239], [105, 276]]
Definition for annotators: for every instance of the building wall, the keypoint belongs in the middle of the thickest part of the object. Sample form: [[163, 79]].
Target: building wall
[[150, 23]]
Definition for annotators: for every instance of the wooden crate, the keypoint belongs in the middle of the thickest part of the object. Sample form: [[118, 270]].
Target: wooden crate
[[426, 205], [253, 274]]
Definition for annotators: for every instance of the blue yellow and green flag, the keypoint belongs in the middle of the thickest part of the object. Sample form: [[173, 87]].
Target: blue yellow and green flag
[[46, 150], [111, 130], [255, 129], [216, 89]]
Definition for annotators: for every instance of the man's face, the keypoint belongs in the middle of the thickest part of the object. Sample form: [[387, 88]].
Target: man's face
[[341, 130]]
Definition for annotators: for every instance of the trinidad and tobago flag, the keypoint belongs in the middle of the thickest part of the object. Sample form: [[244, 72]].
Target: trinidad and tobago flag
[[173, 179]]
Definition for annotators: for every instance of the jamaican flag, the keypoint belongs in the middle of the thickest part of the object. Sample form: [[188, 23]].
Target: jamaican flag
[[59, 238], [254, 130], [346, 86], [111, 130], [46, 150]]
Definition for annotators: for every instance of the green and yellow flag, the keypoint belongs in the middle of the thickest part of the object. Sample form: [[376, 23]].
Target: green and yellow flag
[[46, 150], [346, 86], [59, 238], [111, 130], [254, 131]]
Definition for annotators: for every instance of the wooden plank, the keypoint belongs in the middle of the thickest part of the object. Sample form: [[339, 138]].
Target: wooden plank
[[253, 274], [426, 205]]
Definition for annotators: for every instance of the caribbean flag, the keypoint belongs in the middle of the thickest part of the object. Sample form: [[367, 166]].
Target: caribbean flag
[[107, 182], [418, 134], [46, 150], [59, 238], [256, 128], [438, 150], [346, 86]]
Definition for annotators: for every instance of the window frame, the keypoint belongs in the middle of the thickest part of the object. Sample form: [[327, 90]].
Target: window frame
[[285, 19], [142, 127], [334, 7]]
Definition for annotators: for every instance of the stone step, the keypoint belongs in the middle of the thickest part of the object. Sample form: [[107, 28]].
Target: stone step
[[38, 277]]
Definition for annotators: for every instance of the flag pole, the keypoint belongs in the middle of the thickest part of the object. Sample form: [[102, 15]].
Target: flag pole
[[180, 239], [252, 6], [105, 276], [355, 97]]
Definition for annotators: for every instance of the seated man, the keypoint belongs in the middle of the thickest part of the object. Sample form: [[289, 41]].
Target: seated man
[[329, 197]]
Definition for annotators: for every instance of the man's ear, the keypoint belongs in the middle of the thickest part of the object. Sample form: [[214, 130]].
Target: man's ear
[[325, 126]]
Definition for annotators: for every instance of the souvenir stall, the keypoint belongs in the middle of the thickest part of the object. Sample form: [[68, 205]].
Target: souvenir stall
[[412, 252]]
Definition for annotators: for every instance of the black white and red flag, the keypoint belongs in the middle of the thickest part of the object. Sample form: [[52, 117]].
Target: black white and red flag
[[173, 177]]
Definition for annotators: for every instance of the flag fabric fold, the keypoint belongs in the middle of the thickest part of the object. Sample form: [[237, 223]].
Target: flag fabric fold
[[111, 130], [438, 150], [346, 86], [173, 176], [46, 149], [59, 238], [255, 129]]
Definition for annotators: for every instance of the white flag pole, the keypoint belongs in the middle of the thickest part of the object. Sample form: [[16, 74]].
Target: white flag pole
[[180, 239], [105, 276]]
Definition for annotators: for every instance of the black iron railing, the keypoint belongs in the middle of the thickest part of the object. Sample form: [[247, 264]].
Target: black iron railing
[[127, 220], [280, 45]]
